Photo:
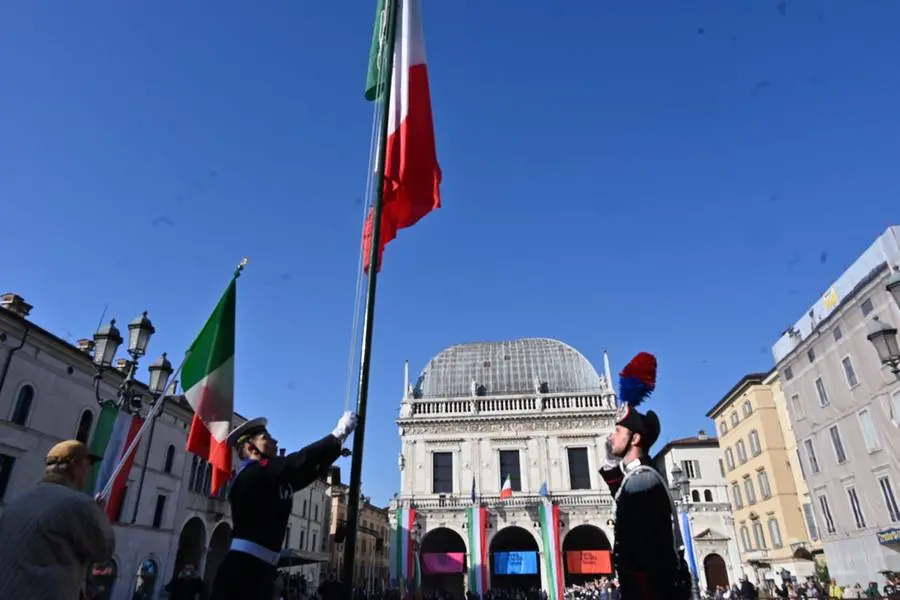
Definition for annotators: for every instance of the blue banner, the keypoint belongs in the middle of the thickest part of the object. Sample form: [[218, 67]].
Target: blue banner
[[688, 537], [515, 563]]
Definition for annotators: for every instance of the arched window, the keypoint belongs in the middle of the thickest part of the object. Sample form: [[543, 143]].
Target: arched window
[[23, 405], [695, 495], [83, 433], [170, 458], [207, 482], [707, 495]]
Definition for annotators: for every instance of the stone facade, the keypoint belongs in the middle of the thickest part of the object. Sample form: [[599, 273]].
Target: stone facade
[[534, 410], [177, 521], [716, 552]]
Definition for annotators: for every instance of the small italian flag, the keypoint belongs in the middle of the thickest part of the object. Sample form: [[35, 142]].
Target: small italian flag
[[113, 435], [208, 381], [506, 490]]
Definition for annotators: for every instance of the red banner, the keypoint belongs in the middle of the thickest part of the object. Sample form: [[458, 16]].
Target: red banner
[[589, 562], [434, 563]]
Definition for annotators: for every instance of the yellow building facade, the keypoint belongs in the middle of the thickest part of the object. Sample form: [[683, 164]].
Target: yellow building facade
[[758, 460]]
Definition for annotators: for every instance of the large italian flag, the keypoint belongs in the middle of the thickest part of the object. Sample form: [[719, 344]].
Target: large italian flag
[[548, 515], [412, 177], [208, 382], [112, 437]]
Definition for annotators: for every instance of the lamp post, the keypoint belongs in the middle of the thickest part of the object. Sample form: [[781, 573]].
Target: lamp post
[[884, 337], [106, 343], [681, 489]]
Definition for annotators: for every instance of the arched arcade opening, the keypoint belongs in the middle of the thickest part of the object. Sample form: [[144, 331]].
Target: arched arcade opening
[[587, 555], [191, 545], [442, 556], [715, 571], [515, 560], [218, 548]]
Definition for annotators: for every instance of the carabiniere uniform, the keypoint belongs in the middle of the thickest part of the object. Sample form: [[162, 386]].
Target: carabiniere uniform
[[643, 552], [261, 500]]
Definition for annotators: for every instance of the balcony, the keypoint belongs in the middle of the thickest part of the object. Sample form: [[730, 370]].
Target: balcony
[[756, 556], [431, 408], [206, 504], [493, 501]]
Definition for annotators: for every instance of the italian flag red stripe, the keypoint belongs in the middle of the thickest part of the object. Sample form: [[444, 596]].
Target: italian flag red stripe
[[412, 176]]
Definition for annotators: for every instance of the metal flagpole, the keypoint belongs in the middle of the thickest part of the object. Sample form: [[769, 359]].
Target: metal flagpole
[[386, 63]]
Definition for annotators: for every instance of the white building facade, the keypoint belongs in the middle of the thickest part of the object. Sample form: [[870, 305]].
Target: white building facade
[[844, 407], [714, 541], [47, 395], [531, 410]]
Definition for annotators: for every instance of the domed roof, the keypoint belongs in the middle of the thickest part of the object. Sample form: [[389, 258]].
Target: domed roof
[[509, 367]]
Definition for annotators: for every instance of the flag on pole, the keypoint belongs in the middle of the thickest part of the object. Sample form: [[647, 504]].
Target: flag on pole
[[412, 176], [403, 564], [549, 518], [112, 437], [506, 491], [208, 382], [478, 563]]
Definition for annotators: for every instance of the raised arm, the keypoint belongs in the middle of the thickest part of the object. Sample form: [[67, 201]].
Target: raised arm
[[301, 468]]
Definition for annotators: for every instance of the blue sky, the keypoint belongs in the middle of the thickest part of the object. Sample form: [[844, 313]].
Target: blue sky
[[679, 177]]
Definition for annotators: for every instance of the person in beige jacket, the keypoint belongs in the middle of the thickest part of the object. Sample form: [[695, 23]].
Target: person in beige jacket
[[52, 534]]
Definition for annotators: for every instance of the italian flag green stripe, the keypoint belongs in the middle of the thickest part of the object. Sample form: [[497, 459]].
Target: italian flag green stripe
[[215, 344], [102, 433]]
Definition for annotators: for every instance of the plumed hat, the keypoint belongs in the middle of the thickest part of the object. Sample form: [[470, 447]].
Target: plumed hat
[[636, 382]]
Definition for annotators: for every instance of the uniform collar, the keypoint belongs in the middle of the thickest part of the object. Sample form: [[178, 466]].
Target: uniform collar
[[634, 464]]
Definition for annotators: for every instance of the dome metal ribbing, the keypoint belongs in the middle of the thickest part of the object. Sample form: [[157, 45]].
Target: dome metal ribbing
[[509, 367]]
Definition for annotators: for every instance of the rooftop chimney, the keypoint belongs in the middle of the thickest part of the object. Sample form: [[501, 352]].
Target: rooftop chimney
[[702, 435], [16, 304], [281, 451], [85, 345]]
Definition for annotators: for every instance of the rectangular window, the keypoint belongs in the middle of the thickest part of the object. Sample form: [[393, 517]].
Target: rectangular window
[[811, 522], [691, 468], [811, 355], [839, 454], [890, 501], [894, 408], [734, 418], [750, 491], [849, 373], [6, 468], [579, 469], [442, 477], [302, 540], [811, 456], [802, 468], [721, 467], [820, 390], [775, 533], [303, 510], [858, 516], [759, 535], [826, 514], [838, 334], [315, 512], [159, 512], [866, 307], [741, 451], [755, 446], [729, 458], [788, 374], [764, 487], [314, 540], [868, 430], [736, 496], [509, 467], [797, 407], [745, 539], [287, 538]]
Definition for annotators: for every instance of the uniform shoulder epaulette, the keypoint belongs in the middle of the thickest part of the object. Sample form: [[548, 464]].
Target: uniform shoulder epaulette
[[642, 481]]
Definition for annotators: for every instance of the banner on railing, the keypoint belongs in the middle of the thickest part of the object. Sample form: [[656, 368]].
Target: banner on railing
[[589, 562], [439, 563], [515, 563]]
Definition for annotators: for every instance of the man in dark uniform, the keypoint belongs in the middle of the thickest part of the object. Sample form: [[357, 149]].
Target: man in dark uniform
[[261, 499], [644, 553]]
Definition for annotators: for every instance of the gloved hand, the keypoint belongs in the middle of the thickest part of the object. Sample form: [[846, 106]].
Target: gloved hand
[[345, 426], [611, 462]]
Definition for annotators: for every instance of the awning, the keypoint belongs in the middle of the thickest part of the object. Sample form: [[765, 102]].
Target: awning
[[291, 557]]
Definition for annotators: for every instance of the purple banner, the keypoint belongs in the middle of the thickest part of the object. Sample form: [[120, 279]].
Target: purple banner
[[444, 562]]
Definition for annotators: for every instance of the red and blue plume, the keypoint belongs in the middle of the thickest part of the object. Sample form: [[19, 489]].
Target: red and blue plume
[[638, 379]]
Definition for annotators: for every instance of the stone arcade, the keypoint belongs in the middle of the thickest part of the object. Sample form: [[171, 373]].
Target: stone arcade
[[533, 410]]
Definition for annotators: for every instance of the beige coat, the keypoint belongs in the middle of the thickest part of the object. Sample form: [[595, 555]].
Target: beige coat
[[49, 537]]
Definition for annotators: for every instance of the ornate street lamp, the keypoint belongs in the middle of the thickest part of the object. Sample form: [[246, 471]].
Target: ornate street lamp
[[160, 371], [884, 337], [139, 332], [681, 485], [106, 343], [893, 286]]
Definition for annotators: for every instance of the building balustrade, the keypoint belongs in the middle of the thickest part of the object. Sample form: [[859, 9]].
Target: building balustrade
[[499, 405], [493, 501]]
